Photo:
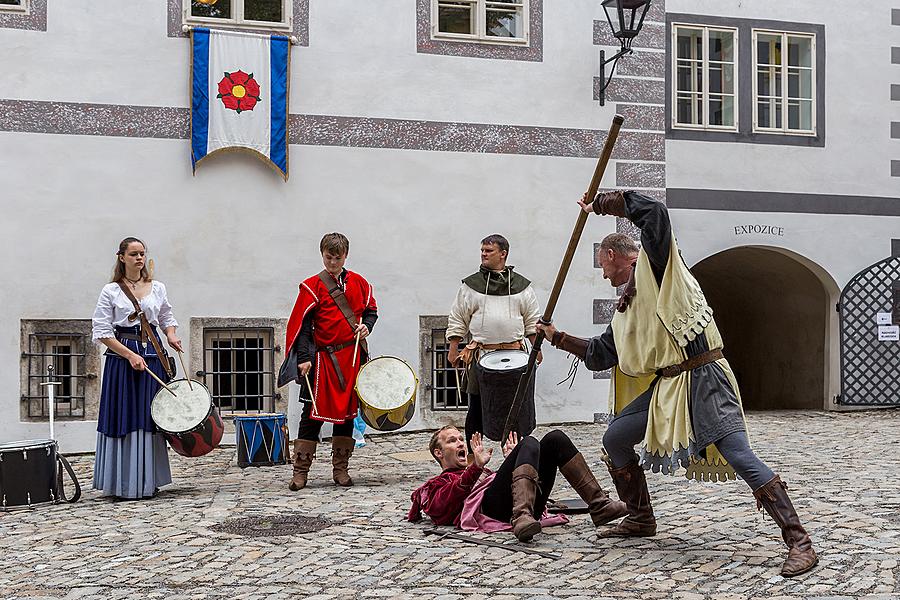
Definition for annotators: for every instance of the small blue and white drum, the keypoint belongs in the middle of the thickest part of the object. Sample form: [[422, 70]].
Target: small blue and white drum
[[262, 439]]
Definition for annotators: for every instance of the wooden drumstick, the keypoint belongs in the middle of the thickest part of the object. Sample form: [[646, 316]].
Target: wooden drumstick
[[183, 368], [156, 377], [458, 386], [356, 346], [312, 396]]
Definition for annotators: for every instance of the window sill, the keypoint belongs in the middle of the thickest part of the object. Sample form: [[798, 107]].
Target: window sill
[[447, 37], [281, 28]]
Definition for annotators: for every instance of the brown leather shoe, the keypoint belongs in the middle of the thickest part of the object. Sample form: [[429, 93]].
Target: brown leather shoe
[[524, 492], [341, 451], [632, 487], [774, 498], [601, 507], [304, 454]]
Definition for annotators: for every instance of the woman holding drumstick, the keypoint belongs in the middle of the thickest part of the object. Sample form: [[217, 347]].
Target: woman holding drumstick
[[131, 460]]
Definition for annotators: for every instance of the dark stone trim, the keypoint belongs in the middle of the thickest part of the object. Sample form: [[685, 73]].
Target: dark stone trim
[[640, 175], [745, 133], [895, 168], [895, 247], [642, 117], [650, 91], [895, 16], [652, 35], [895, 130], [300, 18], [895, 55], [533, 51], [746, 201], [895, 91], [643, 64], [604, 309], [70, 118], [35, 19]]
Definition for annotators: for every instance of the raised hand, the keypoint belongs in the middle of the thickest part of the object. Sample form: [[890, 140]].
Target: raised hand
[[510, 443], [480, 455]]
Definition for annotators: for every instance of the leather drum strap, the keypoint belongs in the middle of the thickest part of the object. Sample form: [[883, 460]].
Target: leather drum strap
[[337, 294], [147, 330]]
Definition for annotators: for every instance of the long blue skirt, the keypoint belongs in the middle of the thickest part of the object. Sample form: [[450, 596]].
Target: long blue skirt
[[131, 459]]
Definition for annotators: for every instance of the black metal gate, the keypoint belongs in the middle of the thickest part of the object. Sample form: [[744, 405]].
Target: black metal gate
[[870, 369]]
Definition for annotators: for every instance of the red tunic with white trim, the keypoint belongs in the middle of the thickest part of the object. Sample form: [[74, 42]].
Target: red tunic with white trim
[[331, 401]]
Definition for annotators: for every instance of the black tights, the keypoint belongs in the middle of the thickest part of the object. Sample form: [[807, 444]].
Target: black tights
[[474, 423], [309, 428], [546, 456]]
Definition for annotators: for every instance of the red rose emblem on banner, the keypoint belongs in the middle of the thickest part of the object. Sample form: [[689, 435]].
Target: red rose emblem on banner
[[238, 91]]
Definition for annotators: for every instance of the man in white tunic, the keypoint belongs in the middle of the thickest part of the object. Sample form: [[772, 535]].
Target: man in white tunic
[[495, 308]]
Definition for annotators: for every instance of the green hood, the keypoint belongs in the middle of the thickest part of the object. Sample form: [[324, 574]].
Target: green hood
[[504, 283]]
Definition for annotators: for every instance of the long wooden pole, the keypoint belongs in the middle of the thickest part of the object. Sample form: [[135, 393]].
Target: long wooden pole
[[513, 416]]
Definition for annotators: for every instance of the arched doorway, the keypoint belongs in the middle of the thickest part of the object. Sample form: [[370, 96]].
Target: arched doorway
[[772, 311]]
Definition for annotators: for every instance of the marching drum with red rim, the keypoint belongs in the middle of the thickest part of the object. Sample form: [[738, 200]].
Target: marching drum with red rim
[[188, 419]]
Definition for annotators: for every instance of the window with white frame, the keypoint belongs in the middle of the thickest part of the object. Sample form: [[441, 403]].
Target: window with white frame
[[704, 89], [18, 6], [481, 20], [248, 14], [785, 82]]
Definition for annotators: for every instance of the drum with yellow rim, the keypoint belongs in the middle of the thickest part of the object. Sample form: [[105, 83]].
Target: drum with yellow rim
[[386, 387]]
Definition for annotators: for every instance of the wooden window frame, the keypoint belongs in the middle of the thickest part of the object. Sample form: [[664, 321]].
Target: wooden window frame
[[480, 35], [704, 65], [784, 129], [237, 21]]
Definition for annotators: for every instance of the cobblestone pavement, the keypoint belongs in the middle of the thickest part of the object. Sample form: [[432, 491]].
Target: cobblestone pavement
[[712, 543]]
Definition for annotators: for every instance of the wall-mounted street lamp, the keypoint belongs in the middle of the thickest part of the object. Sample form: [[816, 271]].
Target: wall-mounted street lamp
[[625, 18]]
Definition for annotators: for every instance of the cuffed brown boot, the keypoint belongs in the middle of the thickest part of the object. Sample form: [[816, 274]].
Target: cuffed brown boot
[[304, 453], [632, 487], [341, 451], [602, 508], [524, 492], [774, 498]]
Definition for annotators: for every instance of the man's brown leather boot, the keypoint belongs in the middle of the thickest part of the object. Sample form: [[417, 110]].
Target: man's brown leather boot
[[632, 487], [601, 507], [304, 454], [524, 492], [774, 498]]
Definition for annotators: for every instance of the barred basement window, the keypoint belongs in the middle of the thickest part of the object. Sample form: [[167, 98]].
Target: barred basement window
[[445, 393], [66, 345], [239, 368]]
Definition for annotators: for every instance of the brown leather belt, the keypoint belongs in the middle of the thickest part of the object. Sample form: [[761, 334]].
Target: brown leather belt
[[332, 354], [692, 363]]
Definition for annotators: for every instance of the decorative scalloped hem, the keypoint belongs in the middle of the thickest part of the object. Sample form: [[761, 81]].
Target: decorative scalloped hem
[[696, 322], [717, 471]]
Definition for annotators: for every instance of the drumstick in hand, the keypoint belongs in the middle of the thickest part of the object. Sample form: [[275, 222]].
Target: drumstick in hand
[[156, 377], [356, 347], [186, 374], [309, 387]]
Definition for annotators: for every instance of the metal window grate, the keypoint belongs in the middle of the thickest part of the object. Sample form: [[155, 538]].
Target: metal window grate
[[444, 392], [239, 368], [66, 352]]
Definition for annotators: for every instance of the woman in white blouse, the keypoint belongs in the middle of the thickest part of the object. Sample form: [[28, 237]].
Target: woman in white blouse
[[131, 459]]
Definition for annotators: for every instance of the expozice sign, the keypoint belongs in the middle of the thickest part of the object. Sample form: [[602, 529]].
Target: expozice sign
[[761, 229]]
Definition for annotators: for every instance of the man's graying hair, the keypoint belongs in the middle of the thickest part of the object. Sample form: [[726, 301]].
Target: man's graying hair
[[620, 244]]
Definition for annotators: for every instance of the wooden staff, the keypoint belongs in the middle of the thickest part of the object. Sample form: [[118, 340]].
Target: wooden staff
[[183, 368], [154, 376], [513, 417]]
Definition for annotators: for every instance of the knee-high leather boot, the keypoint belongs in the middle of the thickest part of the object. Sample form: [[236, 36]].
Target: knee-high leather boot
[[524, 492], [304, 453], [601, 507], [632, 487], [341, 451], [774, 498]]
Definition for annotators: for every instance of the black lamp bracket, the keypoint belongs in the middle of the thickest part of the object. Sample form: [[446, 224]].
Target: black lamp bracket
[[603, 62]]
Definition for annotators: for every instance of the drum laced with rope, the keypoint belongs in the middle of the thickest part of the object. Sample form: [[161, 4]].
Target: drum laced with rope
[[386, 387], [184, 412], [262, 439]]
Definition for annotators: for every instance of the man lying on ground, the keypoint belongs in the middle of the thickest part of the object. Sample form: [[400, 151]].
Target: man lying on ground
[[515, 496]]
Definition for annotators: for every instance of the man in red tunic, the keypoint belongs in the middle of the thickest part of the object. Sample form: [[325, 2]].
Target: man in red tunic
[[334, 309]]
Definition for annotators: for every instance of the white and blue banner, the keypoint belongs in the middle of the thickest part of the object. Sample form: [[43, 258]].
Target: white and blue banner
[[239, 95]]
